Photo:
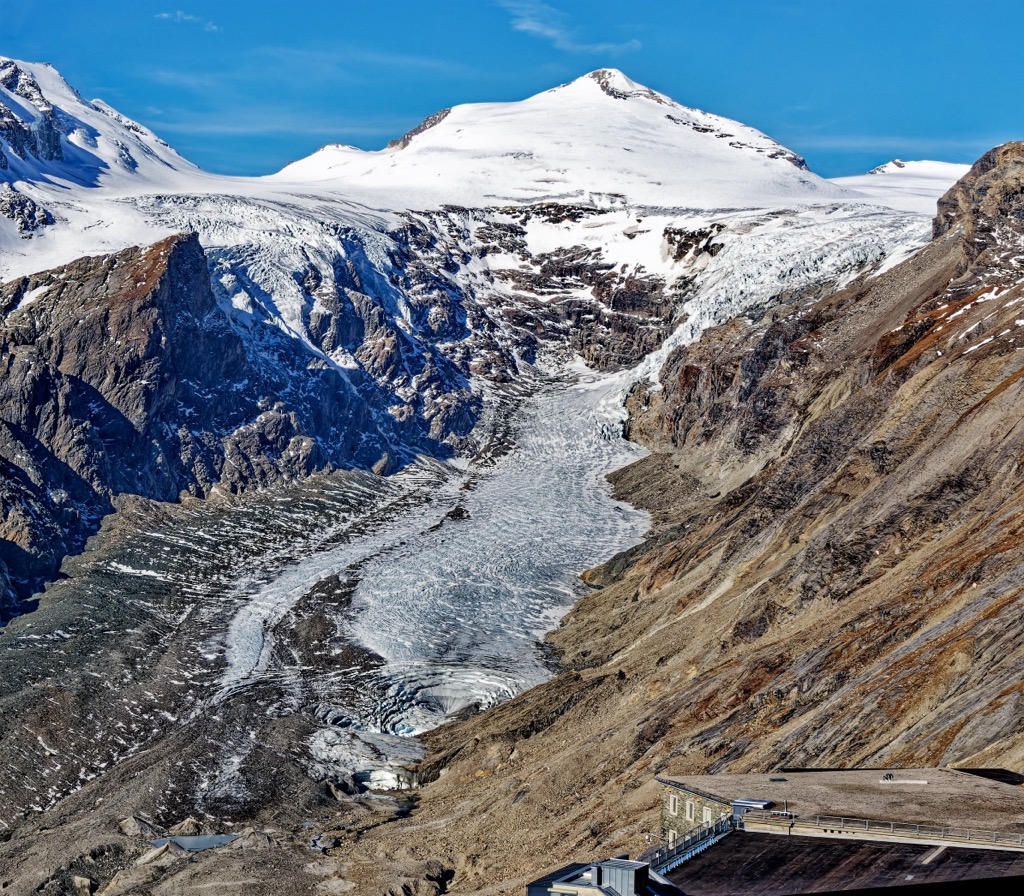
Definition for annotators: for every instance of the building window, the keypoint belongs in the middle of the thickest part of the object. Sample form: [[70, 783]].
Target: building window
[[671, 838], [673, 805], [707, 815], [689, 810]]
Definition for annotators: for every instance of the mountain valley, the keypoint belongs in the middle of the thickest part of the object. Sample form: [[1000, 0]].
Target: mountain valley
[[293, 491]]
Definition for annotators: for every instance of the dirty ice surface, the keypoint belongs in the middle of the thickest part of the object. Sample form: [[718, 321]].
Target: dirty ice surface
[[455, 594]]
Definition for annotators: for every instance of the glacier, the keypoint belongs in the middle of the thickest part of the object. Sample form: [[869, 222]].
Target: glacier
[[456, 592]]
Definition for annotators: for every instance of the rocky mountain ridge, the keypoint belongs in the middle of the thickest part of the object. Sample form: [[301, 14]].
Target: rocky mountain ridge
[[125, 377]]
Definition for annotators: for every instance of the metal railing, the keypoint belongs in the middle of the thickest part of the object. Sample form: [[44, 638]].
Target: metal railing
[[669, 857], [844, 824]]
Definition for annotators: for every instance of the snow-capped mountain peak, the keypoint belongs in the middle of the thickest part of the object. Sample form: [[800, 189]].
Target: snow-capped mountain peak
[[589, 141], [19, 81], [910, 186], [617, 85], [49, 132]]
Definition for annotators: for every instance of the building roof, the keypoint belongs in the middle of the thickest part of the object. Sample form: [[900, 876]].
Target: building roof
[[942, 796], [581, 876], [566, 872], [770, 865]]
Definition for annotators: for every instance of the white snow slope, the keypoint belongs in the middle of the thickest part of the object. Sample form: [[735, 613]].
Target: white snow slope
[[907, 186], [599, 139], [98, 144]]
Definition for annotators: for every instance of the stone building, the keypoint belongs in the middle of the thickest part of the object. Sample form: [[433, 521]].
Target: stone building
[[685, 808]]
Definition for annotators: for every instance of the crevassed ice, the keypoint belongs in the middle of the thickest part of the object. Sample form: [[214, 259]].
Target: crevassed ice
[[457, 611], [460, 574]]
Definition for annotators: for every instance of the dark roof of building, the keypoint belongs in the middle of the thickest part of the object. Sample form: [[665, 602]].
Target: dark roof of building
[[571, 870], [772, 865]]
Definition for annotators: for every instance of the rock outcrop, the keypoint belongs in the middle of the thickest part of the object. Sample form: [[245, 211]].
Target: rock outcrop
[[28, 216], [123, 376], [39, 138], [986, 200]]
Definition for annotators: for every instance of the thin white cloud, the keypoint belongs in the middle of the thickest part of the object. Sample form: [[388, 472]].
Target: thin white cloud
[[188, 19], [341, 59], [302, 67], [544, 21]]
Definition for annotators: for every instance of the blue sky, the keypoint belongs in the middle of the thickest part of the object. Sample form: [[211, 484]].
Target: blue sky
[[245, 87]]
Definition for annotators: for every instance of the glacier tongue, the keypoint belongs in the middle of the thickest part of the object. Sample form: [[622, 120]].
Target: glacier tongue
[[458, 579], [457, 611]]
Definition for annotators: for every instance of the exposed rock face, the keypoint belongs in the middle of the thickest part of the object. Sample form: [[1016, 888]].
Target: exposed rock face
[[834, 578], [425, 125], [987, 199], [39, 139], [26, 213], [124, 376], [571, 297]]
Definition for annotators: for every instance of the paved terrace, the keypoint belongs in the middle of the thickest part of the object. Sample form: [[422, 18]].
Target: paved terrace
[[947, 804]]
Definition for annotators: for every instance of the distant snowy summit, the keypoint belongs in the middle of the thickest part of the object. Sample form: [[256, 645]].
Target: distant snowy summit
[[50, 134], [601, 139], [907, 186], [600, 142], [889, 167]]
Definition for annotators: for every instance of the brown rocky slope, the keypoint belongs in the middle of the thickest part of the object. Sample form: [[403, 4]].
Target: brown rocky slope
[[835, 577]]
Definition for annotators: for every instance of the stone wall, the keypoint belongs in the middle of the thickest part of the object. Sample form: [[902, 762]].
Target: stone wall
[[689, 814]]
